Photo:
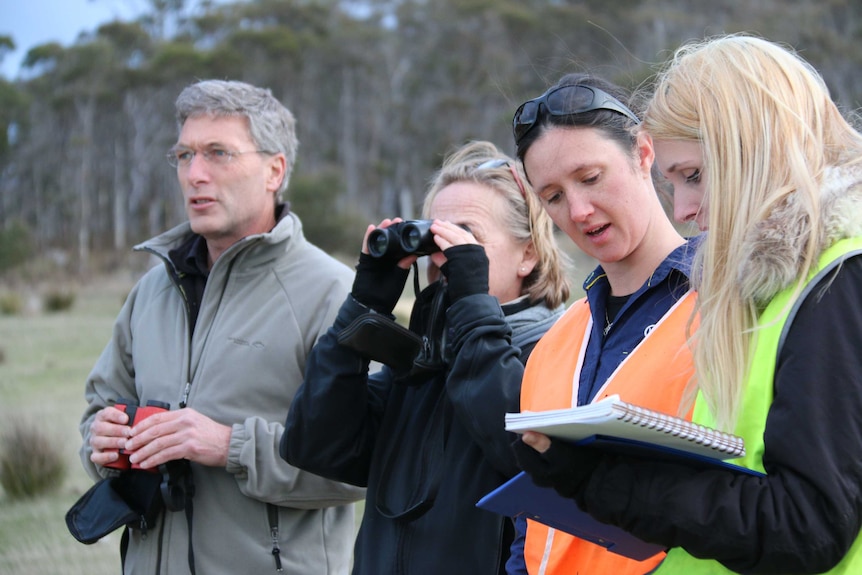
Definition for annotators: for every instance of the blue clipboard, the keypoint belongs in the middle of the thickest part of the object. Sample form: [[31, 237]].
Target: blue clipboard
[[520, 496]]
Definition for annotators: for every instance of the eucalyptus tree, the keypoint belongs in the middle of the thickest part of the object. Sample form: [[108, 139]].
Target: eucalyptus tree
[[13, 106], [76, 127], [130, 136], [381, 90], [12, 102]]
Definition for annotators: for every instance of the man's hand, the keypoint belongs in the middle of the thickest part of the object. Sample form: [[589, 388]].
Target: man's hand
[[109, 432], [179, 434]]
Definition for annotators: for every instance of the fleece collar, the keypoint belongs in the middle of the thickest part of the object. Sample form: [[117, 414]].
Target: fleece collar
[[774, 248]]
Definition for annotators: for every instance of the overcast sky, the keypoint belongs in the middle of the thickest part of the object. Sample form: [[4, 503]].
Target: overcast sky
[[34, 22]]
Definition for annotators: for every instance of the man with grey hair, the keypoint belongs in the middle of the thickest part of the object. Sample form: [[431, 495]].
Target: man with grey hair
[[221, 332]]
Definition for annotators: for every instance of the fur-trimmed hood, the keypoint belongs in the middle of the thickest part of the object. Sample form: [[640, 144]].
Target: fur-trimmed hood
[[774, 248]]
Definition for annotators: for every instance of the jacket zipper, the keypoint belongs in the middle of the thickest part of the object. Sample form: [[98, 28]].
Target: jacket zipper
[[184, 400], [272, 514], [173, 274]]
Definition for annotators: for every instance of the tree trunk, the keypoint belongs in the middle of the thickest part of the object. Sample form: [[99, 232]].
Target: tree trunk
[[86, 108]]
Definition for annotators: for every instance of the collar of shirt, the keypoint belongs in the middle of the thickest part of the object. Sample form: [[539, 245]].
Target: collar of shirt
[[644, 309]]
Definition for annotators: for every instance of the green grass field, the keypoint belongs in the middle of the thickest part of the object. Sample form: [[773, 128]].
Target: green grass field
[[46, 358]]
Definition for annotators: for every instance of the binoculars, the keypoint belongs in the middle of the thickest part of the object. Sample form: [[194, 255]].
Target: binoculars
[[408, 238], [136, 414]]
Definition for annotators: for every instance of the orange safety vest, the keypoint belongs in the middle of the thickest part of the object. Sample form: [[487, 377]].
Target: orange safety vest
[[654, 375]]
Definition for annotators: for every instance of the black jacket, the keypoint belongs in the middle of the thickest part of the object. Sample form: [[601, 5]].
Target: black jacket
[[428, 447], [803, 516]]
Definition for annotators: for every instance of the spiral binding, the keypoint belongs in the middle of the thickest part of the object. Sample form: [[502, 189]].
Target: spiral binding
[[719, 440]]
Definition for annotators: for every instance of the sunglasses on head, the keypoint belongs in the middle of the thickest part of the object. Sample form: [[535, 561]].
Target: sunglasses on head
[[499, 163], [565, 101]]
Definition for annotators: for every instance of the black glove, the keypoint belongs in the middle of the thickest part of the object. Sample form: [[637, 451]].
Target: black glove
[[564, 466], [378, 283], [466, 269]]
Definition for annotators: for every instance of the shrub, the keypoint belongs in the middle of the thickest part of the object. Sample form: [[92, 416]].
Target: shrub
[[59, 301], [30, 463], [10, 304]]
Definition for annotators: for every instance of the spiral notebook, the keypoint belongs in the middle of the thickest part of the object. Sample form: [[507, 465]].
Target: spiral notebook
[[614, 417]]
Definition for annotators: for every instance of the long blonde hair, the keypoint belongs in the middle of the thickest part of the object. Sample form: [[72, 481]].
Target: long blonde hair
[[768, 128]]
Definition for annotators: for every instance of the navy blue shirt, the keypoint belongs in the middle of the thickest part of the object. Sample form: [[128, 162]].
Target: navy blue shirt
[[634, 320], [631, 322]]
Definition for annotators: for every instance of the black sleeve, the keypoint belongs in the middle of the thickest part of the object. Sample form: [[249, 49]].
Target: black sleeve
[[333, 421], [466, 268], [805, 514], [484, 381]]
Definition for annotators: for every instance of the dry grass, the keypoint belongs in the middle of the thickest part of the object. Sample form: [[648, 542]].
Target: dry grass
[[31, 463], [47, 359]]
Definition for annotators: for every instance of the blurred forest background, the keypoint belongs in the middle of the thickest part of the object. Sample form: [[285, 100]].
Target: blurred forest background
[[381, 90]]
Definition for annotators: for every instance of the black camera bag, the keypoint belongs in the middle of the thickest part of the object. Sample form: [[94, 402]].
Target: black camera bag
[[132, 499]]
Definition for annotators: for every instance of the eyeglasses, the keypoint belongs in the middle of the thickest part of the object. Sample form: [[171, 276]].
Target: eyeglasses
[[565, 101], [499, 163], [182, 157]]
